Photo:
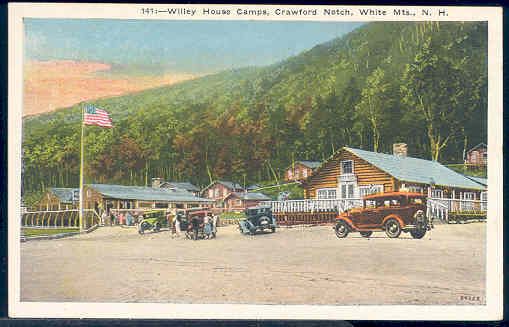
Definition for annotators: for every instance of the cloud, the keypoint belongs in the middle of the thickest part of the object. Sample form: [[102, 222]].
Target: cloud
[[49, 85]]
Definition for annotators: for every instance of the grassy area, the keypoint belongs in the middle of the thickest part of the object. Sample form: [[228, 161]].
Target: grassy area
[[232, 215], [476, 171], [47, 231]]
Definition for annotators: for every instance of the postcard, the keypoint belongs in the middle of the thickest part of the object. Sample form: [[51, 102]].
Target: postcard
[[255, 162]]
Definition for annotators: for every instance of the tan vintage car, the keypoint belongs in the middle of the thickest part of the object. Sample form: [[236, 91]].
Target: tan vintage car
[[393, 212]]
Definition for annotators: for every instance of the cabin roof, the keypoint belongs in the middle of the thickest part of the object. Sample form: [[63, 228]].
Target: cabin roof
[[64, 194], [253, 187], [227, 184], [183, 185], [145, 193], [309, 164], [480, 180], [478, 146], [416, 170], [250, 196]]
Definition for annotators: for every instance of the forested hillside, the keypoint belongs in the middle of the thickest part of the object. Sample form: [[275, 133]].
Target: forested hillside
[[420, 83]]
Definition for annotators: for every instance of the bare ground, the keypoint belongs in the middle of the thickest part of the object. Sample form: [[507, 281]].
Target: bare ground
[[304, 265]]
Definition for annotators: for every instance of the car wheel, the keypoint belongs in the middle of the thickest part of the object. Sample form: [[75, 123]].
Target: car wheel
[[341, 229], [366, 234], [141, 228], [392, 228], [418, 233], [157, 227], [273, 229]]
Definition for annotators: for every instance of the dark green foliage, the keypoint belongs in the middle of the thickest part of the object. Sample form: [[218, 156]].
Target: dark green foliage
[[248, 125]]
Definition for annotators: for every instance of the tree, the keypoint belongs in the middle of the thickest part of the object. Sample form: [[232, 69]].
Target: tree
[[432, 87], [375, 104]]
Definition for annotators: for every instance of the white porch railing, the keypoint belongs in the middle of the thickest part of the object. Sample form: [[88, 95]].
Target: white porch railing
[[437, 209], [311, 205], [441, 207]]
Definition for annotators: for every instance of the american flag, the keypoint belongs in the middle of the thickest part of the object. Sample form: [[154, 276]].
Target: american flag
[[96, 116]]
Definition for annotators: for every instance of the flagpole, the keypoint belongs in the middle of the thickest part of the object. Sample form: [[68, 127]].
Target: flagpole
[[81, 168]]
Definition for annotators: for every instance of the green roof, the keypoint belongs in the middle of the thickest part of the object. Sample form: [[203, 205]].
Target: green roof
[[408, 169], [480, 180], [310, 164], [251, 196], [64, 194], [144, 193]]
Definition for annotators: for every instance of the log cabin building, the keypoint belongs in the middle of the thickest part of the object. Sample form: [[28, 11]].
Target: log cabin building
[[301, 170], [353, 173]]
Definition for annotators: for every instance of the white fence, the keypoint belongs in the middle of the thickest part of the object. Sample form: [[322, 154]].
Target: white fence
[[310, 205]]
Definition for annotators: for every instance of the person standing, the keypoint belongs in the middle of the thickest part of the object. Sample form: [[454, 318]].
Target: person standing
[[104, 217], [214, 224], [207, 225], [169, 219], [177, 224]]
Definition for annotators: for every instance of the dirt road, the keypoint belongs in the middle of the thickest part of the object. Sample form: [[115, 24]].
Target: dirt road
[[293, 266]]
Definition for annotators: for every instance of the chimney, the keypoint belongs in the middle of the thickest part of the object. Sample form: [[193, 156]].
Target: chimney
[[156, 182], [400, 149]]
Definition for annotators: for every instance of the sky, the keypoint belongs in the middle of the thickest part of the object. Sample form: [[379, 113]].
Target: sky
[[196, 47]]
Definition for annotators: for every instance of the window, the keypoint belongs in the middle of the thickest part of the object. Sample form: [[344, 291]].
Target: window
[[305, 173], [484, 196], [415, 200], [414, 188], [350, 191], [347, 167], [469, 196], [326, 193], [370, 189], [437, 194], [216, 193]]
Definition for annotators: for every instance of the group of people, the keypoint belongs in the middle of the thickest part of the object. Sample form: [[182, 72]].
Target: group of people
[[110, 218], [209, 224]]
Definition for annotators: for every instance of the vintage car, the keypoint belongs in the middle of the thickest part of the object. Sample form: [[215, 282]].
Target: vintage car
[[393, 213], [259, 218], [153, 220]]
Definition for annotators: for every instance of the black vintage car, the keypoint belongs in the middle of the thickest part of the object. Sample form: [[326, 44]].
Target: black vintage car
[[259, 218]]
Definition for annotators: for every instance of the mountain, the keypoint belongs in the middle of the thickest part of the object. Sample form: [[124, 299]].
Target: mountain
[[360, 90]]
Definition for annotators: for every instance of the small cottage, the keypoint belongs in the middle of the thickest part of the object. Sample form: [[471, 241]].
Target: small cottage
[[59, 198], [301, 170], [239, 201], [478, 155], [219, 190]]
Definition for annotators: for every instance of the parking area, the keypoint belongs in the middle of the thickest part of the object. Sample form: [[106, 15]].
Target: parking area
[[301, 265]]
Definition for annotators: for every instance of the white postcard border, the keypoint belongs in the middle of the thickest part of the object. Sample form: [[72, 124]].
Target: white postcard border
[[494, 250]]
